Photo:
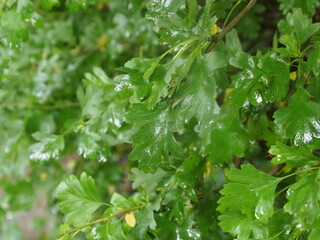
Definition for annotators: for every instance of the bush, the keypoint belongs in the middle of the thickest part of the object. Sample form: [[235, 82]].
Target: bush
[[160, 119]]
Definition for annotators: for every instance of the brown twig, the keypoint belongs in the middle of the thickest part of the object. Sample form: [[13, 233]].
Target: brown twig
[[276, 169], [237, 162], [231, 25]]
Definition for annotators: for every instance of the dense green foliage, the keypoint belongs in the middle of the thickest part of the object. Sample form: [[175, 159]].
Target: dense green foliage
[[159, 119]]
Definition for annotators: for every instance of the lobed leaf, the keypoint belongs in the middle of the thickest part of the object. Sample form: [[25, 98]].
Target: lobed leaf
[[247, 201], [154, 140], [302, 118], [79, 198]]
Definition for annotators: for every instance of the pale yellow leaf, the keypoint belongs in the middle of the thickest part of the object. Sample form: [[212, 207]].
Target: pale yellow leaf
[[130, 219]]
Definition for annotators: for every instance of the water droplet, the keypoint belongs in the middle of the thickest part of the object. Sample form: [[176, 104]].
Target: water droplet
[[193, 234], [102, 158], [157, 130]]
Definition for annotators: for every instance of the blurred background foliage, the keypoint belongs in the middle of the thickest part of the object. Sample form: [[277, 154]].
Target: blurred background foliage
[[47, 50], [63, 101]]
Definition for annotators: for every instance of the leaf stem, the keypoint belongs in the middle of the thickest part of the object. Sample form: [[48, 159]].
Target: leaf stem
[[231, 25], [101, 220], [229, 14], [187, 43], [301, 171]]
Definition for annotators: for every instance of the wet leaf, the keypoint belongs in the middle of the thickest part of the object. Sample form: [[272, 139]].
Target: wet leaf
[[48, 147], [154, 139], [302, 118], [247, 201], [79, 198], [304, 199]]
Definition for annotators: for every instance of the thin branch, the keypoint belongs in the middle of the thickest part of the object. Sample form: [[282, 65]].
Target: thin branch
[[231, 25], [102, 220], [276, 169]]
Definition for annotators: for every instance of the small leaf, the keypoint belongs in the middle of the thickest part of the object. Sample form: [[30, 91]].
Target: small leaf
[[145, 220], [130, 219], [292, 156], [298, 26], [48, 4], [48, 148], [119, 201], [147, 181]]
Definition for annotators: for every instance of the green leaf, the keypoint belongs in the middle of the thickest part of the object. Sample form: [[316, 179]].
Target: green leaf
[[304, 199], [153, 140], [171, 230], [292, 156], [307, 6], [48, 4], [314, 232], [171, 26], [314, 61], [139, 71], [119, 201], [91, 146], [264, 79], [232, 42], [22, 4], [76, 5], [298, 26], [247, 200], [147, 181], [280, 225], [276, 77], [79, 198], [236, 224], [302, 118], [13, 30], [197, 96], [113, 231], [90, 101], [98, 78], [160, 79], [48, 148], [248, 85], [145, 220], [292, 47], [226, 137]]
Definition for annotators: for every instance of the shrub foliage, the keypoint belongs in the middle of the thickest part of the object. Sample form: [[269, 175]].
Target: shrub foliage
[[160, 119]]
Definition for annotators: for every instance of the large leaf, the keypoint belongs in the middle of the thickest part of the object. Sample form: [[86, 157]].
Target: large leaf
[[197, 96], [304, 199], [226, 137], [145, 220], [302, 118], [247, 202], [154, 140], [79, 198], [264, 79], [275, 76]]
